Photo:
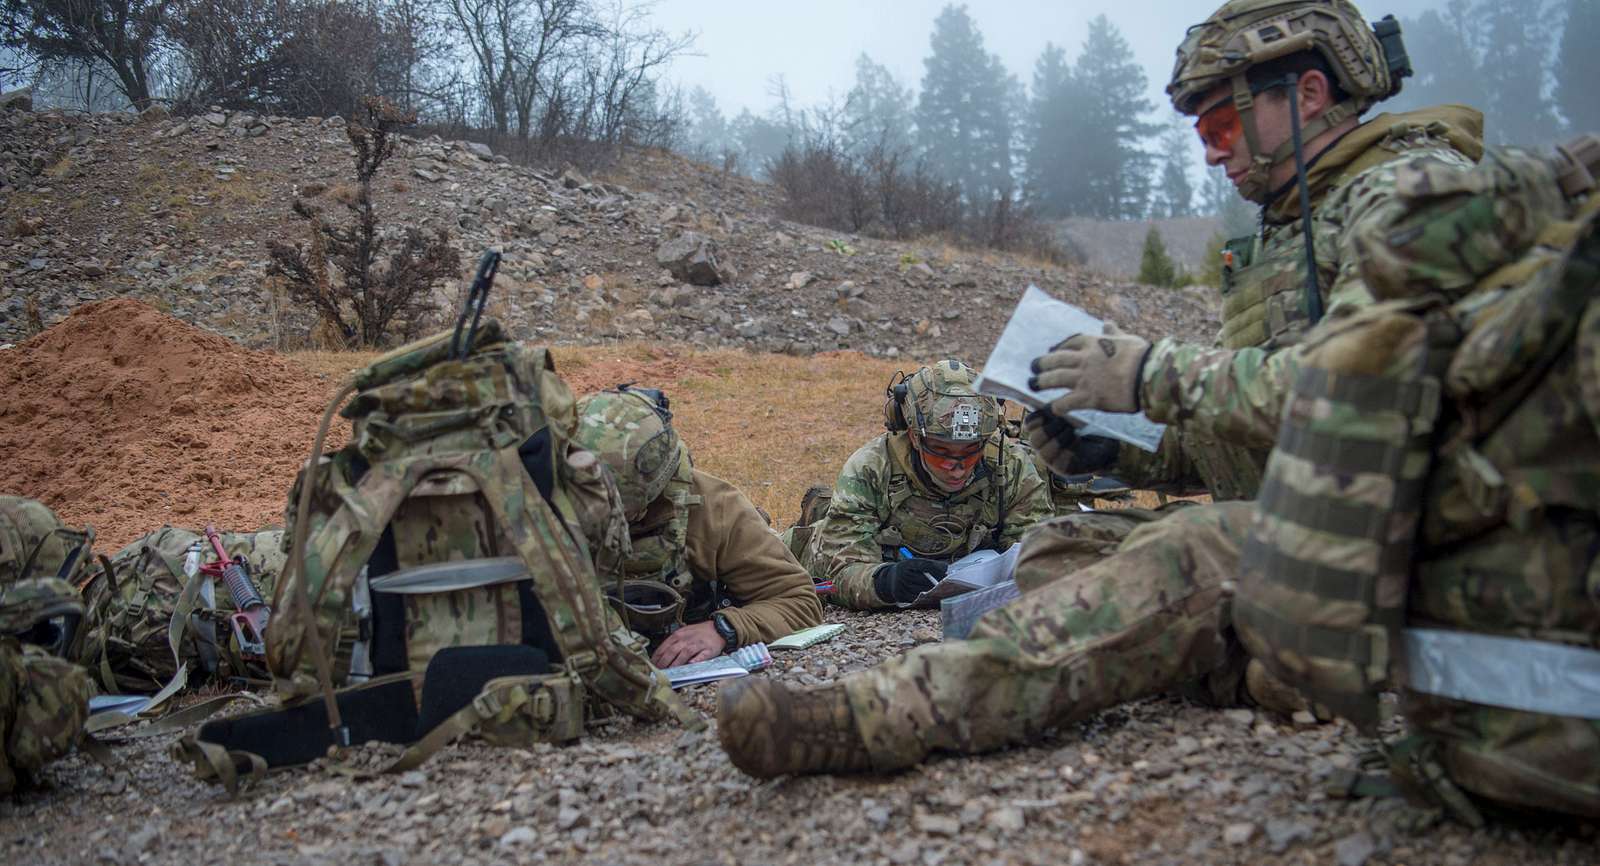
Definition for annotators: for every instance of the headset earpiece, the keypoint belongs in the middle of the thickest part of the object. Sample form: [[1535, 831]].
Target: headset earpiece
[[894, 415]]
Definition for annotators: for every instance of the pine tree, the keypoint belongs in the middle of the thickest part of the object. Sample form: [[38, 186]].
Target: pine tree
[[877, 110], [1577, 68], [963, 113], [1515, 72], [1443, 51], [1054, 135], [1113, 170], [1175, 197], [1155, 266], [709, 134]]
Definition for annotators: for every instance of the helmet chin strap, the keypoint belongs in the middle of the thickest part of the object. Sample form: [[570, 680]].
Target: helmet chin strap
[[1253, 186]]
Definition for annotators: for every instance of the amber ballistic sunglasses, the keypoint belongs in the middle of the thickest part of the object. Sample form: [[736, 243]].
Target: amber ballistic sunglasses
[[948, 459], [1219, 126]]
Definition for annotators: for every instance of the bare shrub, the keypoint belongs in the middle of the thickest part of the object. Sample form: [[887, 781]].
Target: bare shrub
[[32, 318], [882, 192], [369, 300]]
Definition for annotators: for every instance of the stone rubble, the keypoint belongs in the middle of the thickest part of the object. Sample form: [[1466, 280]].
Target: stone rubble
[[176, 211]]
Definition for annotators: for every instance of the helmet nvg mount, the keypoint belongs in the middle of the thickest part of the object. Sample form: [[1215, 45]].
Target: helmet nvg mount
[[941, 401], [1368, 63], [631, 430]]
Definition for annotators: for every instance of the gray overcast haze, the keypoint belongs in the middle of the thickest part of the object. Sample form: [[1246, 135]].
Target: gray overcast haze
[[814, 43]]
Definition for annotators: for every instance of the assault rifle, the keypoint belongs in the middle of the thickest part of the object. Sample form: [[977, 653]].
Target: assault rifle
[[250, 613]]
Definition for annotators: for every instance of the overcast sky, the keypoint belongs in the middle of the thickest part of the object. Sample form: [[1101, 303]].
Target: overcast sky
[[814, 43]]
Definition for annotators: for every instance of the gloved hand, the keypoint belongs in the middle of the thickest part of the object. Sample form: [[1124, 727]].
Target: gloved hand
[[901, 582], [1056, 439], [1103, 371]]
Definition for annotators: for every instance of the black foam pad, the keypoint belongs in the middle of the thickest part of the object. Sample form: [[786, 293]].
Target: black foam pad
[[457, 674], [299, 734], [538, 459]]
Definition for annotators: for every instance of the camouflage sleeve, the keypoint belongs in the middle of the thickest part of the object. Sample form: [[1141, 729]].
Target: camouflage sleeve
[[1027, 494], [1229, 394], [1167, 469], [844, 547], [1238, 395]]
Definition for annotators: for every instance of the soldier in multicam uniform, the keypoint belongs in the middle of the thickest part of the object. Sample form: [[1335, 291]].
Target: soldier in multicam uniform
[[940, 484], [44, 699], [701, 553], [1093, 631]]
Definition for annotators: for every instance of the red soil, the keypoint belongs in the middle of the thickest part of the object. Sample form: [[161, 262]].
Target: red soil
[[126, 418]]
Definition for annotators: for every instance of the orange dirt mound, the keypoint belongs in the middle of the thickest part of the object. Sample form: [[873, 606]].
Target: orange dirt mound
[[126, 418]]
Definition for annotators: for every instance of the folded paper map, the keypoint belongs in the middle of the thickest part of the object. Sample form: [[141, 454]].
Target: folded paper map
[[1037, 324]]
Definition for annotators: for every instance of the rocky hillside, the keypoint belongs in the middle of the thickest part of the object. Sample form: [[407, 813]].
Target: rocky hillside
[[177, 211]]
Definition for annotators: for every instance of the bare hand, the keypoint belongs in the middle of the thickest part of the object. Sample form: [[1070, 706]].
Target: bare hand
[[692, 643]]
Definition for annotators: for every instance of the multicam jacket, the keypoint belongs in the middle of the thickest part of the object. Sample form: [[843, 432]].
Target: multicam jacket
[[1352, 186], [880, 505], [1509, 521]]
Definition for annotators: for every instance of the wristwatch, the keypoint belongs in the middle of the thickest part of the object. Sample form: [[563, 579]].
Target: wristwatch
[[730, 637]]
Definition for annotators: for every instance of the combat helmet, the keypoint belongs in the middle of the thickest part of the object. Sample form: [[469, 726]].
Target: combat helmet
[[43, 611], [1368, 63], [942, 401], [34, 542], [631, 430]]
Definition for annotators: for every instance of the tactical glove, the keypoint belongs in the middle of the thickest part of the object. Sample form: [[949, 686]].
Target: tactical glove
[[901, 582], [1056, 439], [1102, 372]]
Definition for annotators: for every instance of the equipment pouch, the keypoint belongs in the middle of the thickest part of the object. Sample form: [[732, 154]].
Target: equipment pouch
[[1325, 569]]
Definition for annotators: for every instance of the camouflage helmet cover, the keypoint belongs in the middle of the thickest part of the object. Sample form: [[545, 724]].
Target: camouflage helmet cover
[[33, 541], [942, 401], [632, 433], [1245, 33], [28, 604]]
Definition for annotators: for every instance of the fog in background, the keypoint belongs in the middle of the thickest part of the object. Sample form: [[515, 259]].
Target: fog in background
[[988, 123], [814, 44]]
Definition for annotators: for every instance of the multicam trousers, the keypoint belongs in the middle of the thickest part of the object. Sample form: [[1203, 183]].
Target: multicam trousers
[[1087, 634]]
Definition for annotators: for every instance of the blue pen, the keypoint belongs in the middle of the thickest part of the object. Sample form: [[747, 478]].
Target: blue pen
[[905, 553]]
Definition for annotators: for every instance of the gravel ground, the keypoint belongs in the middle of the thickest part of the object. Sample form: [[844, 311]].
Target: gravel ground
[[1159, 781]]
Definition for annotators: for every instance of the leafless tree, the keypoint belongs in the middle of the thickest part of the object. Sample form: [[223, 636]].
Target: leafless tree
[[369, 300], [123, 35]]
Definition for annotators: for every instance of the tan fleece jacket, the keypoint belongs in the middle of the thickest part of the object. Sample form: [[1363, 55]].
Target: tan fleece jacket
[[728, 541]]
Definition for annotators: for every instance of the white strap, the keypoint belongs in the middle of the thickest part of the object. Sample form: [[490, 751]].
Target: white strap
[[1534, 676]]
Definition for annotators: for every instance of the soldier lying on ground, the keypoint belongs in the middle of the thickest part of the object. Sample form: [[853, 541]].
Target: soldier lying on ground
[[1158, 615], [940, 484], [702, 554], [44, 699]]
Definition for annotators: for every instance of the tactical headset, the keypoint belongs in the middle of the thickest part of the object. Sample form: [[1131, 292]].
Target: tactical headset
[[894, 413]]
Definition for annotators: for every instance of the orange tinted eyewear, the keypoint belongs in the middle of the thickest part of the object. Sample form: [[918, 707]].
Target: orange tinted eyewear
[[948, 463], [1219, 126]]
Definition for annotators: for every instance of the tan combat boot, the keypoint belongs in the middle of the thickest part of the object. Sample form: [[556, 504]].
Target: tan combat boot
[[1271, 693], [768, 729]]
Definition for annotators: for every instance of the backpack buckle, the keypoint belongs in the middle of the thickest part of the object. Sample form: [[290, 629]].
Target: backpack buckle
[[488, 704]]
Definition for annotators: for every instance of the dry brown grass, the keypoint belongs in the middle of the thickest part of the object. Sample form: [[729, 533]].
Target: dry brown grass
[[771, 424]]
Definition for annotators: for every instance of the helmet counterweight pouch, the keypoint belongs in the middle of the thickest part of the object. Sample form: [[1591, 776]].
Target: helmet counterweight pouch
[[439, 494]]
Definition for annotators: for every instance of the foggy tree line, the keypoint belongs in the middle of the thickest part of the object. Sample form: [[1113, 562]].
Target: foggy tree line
[[542, 76], [1083, 137]]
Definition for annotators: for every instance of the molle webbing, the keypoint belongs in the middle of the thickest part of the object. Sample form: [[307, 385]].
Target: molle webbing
[[430, 429], [1325, 569]]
